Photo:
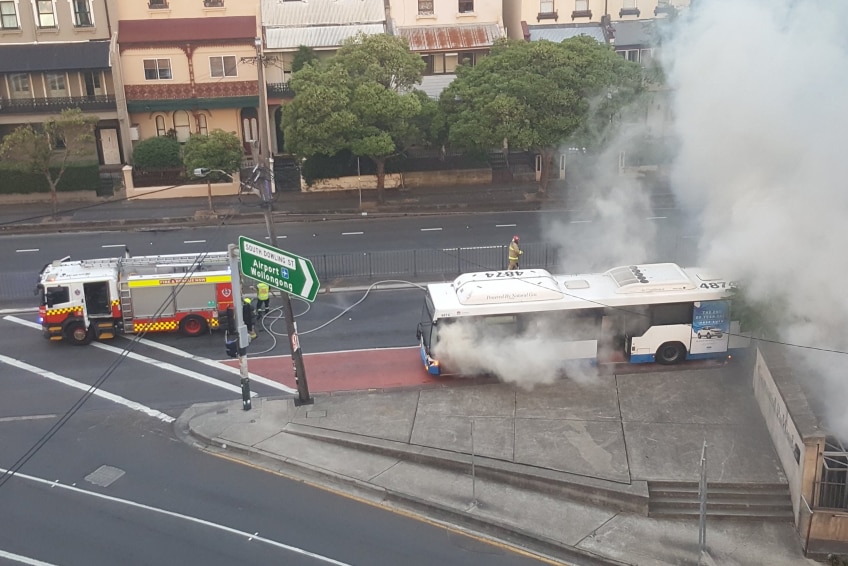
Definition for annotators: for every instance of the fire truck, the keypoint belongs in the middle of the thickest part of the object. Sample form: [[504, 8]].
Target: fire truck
[[96, 299]]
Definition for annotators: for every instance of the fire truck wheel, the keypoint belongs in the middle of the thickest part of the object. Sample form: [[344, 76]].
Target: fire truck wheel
[[77, 334], [193, 325]]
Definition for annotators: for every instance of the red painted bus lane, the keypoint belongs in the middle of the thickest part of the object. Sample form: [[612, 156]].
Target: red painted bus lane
[[380, 368]]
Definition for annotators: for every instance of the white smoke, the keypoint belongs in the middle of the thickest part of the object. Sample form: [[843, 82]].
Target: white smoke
[[759, 113]]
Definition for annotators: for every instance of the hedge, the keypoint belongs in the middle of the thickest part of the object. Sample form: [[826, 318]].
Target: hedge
[[77, 177]]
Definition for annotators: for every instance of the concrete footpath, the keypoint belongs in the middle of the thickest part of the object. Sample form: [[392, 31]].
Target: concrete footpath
[[576, 472]]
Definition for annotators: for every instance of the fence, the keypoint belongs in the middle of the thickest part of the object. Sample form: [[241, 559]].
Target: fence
[[832, 489]]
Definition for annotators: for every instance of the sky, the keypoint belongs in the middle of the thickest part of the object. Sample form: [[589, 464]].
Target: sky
[[760, 115]]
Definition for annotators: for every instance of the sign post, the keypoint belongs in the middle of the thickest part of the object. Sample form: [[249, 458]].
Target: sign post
[[293, 275]]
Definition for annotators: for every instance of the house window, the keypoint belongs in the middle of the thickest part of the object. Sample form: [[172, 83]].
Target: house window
[[466, 6], [628, 8], [93, 85], [202, 127], [224, 66], [630, 54], [20, 85], [8, 16], [628, 4], [82, 13], [160, 126], [56, 84], [213, 3], [467, 58], [157, 69], [581, 5], [157, 4], [46, 17], [425, 8], [546, 7], [182, 125]]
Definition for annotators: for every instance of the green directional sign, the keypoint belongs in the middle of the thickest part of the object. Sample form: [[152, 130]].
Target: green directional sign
[[279, 269]]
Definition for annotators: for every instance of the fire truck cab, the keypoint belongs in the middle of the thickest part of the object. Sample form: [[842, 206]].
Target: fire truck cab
[[96, 299]]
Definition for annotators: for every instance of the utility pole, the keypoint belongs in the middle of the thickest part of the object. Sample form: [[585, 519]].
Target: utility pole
[[241, 329], [267, 163]]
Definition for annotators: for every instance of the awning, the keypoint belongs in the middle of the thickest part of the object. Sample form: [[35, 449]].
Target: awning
[[192, 104], [54, 57], [450, 38]]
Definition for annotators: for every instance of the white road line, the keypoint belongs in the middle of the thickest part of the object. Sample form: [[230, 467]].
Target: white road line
[[26, 418], [278, 237], [505, 225], [144, 359], [113, 246], [352, 233], [214, 364], [85, 387], [134, 504], [194, 241], [23, 559], [581, 221], [656, 218], [430, 229], [26, 250]]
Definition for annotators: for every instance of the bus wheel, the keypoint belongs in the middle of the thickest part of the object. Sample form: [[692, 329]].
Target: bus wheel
[[193, 325], [77, 334], [671, 353]]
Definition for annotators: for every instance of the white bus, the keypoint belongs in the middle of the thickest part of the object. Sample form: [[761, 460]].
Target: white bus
[[639, 313]]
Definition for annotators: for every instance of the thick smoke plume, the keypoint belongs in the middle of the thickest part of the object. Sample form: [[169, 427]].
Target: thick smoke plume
[[761, 119]]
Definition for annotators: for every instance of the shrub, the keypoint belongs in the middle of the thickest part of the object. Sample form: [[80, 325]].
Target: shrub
[[77, 177], [161, 152]]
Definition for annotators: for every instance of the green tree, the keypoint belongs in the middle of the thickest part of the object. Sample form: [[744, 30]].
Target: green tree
[[161, 152], [304, 55], [48, 150], [537, 95], [218, 151], [362, 99]]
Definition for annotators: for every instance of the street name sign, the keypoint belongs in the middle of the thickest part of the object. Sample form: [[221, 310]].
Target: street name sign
[[279, 269]]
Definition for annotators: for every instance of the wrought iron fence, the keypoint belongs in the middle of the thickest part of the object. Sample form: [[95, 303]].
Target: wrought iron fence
[[832, 487]]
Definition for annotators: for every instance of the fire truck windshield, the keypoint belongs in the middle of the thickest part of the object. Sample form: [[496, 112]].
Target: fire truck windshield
[[55, 295]]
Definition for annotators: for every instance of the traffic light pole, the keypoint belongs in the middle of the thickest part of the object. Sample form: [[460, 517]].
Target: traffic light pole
[[241, 328]]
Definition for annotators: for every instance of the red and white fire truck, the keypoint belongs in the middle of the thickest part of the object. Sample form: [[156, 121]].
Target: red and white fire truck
[[99, 298]]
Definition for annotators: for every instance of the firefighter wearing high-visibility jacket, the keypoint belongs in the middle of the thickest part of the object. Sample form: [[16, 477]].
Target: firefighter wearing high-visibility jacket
[[263, 300], [514, 253]]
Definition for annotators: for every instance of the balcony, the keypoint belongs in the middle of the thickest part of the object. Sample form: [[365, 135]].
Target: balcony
[[45, 105], [280, 90]]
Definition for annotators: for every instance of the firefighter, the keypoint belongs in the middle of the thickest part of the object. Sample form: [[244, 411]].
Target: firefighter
[[514, 253], [247, 315], [263, 300]]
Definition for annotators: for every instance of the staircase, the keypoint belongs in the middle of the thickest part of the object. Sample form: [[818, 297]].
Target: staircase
[[126, 308], [750, 502], [500, 168]]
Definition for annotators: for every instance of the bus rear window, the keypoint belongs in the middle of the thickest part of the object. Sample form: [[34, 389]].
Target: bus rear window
[[56, 296]]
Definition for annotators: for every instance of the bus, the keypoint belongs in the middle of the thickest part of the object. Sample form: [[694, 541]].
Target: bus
[[647, 313]]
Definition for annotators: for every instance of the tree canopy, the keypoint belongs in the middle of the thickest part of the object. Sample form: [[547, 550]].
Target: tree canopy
[[537, 95], [48, 149], [362, 99], [219, 150]]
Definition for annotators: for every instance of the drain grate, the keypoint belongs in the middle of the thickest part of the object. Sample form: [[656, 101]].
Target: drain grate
[[104, 476]]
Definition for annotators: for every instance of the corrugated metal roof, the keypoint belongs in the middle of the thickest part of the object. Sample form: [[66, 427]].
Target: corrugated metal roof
[[562, 32], [446, 38], [637, 32], [54, 57], [317, 37], [298, 13], [187, 29], [433, 85]]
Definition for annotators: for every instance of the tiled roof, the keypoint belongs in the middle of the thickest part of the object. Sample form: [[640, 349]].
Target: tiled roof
[[317, 37], [299, 13], [447, 38], [187, 29], [54, 57], [557, 33]]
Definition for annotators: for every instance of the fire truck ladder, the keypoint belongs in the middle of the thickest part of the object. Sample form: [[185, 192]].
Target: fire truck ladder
[[126, 308], [176, 263]]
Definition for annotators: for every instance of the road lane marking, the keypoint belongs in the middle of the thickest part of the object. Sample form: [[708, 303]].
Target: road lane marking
[[26, 418], [278, 237], [203, 522], [430, 229], [194, 241], [113, 246], [144, 359], [656, 218], [26, 250], [85, 387], [213, 363], [352, 233], [505, 225], [23, 559], [581, 221]]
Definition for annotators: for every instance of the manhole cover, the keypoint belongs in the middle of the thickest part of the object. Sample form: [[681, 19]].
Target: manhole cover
[[104, 476]]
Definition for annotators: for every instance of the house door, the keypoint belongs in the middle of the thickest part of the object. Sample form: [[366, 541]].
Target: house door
[[109, 145], [93, 85]]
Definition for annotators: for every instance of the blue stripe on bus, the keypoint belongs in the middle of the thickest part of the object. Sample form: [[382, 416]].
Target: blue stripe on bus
[[642, 358]]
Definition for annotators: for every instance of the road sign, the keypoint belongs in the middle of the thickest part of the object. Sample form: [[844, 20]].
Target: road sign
[[279, 269]]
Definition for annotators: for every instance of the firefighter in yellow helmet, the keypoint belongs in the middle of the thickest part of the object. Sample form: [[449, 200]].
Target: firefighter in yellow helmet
[[263, 300], [514, 253], [247, 316]]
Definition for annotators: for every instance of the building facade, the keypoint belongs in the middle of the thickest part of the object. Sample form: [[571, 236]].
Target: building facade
[[189, 67], [56, 55]]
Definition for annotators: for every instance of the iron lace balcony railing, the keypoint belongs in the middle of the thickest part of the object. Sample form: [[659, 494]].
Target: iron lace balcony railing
[[57, 104], [280, 90]]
